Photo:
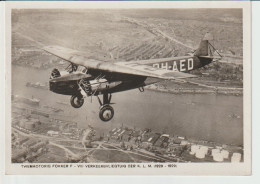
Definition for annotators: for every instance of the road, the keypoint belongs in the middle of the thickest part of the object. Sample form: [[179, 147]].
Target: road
[[156, 31], [89, 152]]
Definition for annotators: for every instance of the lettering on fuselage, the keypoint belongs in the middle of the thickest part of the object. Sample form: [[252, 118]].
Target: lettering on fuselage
[[182, 65]]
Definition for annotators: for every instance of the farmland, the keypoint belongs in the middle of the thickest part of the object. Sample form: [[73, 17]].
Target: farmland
[[115, 35]]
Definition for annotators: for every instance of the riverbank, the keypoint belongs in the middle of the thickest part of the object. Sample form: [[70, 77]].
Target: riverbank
[[200, 89], [198, 116]]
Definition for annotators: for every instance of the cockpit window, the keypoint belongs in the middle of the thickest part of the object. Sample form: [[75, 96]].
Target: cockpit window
[[71, 68], [82, 69]]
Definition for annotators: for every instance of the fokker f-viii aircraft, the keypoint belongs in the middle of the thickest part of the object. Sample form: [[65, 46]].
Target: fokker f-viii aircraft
[[89, 77]]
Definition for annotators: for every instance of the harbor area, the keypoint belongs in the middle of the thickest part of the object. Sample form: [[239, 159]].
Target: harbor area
[[40, 135]]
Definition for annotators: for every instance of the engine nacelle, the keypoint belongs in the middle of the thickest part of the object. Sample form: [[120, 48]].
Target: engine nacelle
[[55, 73], [102, 84], [99, 85]]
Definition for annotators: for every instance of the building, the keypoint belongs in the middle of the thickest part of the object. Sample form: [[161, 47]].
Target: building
[[116, 134], [127, 135], [19, 155], [29, 124], [149, 139], [163, 141], [30, 143], [52, 133]]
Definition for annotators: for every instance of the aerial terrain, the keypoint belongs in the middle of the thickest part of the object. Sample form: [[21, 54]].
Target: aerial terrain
[[169, 122]]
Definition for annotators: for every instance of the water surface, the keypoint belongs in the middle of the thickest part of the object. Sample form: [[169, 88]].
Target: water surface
[[209, 117]]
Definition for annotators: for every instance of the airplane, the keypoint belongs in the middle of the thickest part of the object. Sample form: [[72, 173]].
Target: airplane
[[85, 77]]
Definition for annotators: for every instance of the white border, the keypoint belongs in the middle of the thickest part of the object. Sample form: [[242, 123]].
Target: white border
[[183, 168], [2, 89]]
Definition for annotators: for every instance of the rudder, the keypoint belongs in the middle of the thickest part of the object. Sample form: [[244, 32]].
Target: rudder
[[203, 49]]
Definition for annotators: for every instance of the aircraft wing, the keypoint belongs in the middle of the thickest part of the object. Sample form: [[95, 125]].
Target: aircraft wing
[[132, 68]]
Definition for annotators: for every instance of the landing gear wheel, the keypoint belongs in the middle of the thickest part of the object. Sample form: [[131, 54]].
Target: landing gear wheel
[[106, 113], [76, 101]]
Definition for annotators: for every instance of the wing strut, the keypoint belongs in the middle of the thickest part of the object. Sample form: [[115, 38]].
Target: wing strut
[[141, 89]]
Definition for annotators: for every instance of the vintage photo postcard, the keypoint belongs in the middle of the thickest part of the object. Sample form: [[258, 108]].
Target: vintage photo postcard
[[128, 88]]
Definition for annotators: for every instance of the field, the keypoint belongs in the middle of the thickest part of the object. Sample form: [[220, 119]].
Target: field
[[130, 34], [54, 155], [113, 35]]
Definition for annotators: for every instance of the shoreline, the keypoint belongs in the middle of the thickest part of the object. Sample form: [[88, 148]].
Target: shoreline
[[220, 91], [203, 89]]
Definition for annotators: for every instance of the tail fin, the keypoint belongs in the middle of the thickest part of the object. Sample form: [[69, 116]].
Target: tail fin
[[203, 49]]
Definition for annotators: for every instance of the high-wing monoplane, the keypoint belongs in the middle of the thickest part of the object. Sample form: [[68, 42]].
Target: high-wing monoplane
[[86, 77]]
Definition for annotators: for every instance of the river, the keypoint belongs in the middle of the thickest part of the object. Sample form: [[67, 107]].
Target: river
[[210, 117]]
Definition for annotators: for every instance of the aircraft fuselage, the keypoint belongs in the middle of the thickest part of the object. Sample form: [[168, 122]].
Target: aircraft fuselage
[[181, 64], [117, 82], [94, 78]]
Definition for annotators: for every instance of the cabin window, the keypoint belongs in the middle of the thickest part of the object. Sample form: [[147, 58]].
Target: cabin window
[[82, 69]]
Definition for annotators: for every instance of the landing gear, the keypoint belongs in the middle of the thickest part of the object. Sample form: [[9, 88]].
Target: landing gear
[[106, 112], [77, 101]]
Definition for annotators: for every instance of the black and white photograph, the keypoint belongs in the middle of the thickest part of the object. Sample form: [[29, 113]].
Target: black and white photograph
[[127, 87]]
